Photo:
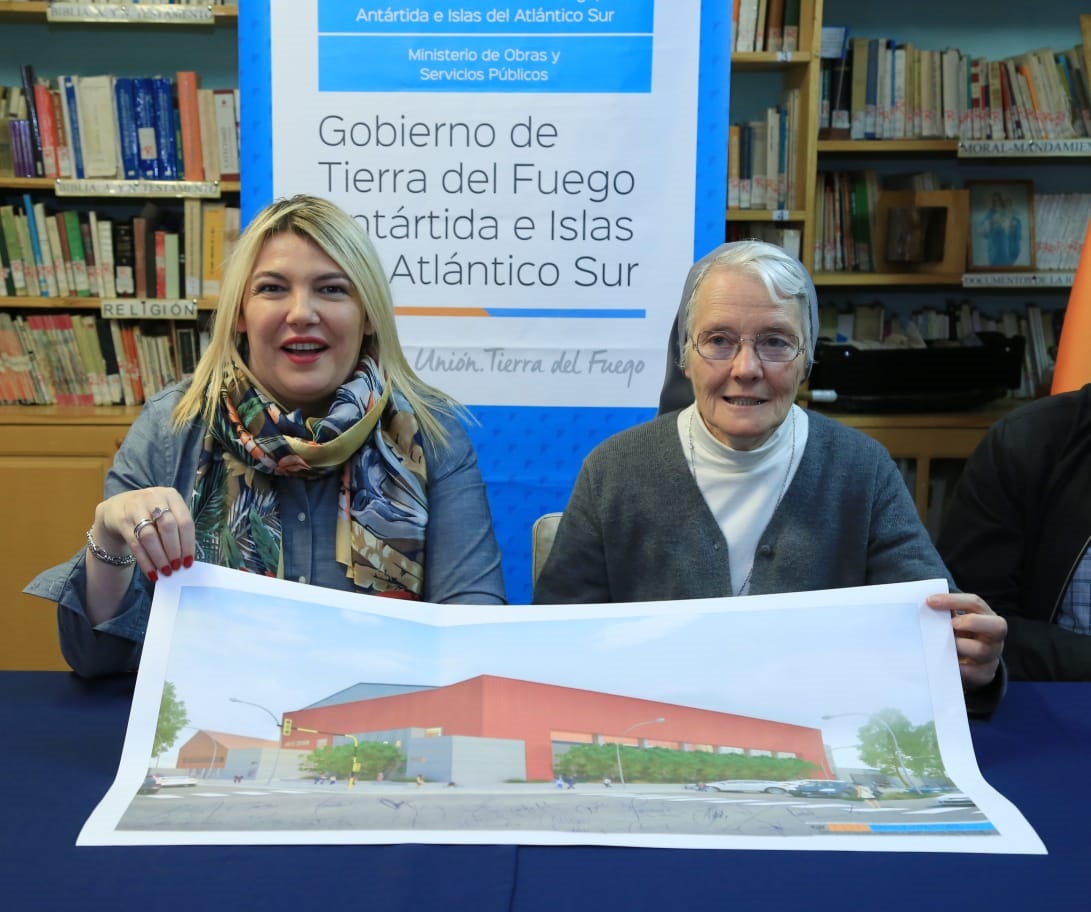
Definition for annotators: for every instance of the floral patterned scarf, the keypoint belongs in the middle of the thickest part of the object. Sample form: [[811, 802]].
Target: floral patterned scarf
[[370, 436]]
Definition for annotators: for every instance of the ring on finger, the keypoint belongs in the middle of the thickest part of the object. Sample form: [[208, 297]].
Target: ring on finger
[[139, 527], [158, 513]]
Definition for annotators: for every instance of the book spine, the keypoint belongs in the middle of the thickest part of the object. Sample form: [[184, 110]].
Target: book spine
[[15, 250], [140, 256], [227, 133], [40, 373], [26, 70], [7, 282], [30, 263], [165, 138], [70, 105], [124, 260], [64, 142], [58, 250], [21, 160], [191, 240], [41, 252], [98, 126], [92, 248], [186, 82], [124, 371], [171, 266], [212, 248], [159, 240], [106, 258], [81, 281], [111, 368], [128, 133], [47, 127], [147, 136]]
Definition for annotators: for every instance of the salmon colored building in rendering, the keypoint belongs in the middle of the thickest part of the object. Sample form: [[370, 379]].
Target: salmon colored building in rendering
[[543, 716]]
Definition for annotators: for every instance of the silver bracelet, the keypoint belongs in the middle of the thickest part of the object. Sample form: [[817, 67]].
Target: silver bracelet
[[114, 560]]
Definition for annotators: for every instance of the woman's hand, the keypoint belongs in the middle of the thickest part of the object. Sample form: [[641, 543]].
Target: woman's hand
[[154, 523], [979, 635]]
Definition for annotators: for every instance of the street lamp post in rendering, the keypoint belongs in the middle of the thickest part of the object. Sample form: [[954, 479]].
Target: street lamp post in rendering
[[276, 722], [893, 738], [617, 744]]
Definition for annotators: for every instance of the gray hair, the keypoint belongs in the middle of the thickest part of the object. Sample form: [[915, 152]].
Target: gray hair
[[784, 277]]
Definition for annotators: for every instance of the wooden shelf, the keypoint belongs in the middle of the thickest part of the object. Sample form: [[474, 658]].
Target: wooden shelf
[[886, 279], [71, 302], [757, 61], [110, 415], [891, 146], [925, 438], [48, 183], [35, 10], [765, 215]]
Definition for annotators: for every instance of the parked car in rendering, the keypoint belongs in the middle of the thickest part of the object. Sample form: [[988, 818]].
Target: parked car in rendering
[[176, 781], [954, 799], [150, 785], [768, 786], [823, 788]]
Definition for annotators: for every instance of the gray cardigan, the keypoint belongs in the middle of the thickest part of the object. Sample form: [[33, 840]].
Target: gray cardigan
[[638, 529]]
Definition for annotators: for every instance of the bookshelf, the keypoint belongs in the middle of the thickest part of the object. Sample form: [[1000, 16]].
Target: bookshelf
[[1053, 165], [787, 81], [929, 447], [56, 457]]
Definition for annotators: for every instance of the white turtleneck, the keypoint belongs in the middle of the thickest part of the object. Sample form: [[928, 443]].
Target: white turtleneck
[[743, 487]]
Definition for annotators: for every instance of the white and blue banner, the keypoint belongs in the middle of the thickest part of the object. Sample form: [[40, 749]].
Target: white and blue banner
[[537, 180]]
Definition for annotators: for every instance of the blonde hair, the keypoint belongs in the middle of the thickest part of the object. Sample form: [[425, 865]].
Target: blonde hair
[[345, 242]]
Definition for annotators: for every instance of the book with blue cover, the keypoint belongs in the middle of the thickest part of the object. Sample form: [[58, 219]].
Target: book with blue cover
[[146, 130], [70, 106], [166, 138], [128, 134]]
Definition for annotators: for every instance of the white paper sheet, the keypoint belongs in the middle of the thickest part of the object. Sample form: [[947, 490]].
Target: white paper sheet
[[243, 652]]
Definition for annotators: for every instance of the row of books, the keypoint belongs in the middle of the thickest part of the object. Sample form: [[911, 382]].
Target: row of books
[[83, 359], [881, 89], [958, 322], [1060, 224], [847, 207], [788, 237], [114, 127], [155, 254], [765, 25], [761, 158]]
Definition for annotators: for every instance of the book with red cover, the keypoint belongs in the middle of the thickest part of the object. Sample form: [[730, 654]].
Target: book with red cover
[[47, 128], [189, 117]]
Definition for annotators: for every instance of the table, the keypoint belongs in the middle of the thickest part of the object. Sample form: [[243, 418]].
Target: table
[[62, 742]]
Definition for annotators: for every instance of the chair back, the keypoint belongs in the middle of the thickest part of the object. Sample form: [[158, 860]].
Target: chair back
[[541, 541]]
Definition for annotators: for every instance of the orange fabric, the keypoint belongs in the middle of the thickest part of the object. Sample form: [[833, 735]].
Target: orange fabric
[[1073, 368]]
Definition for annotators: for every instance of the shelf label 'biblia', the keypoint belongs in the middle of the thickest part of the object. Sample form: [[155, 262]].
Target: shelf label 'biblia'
[[70, 186], [148, 308], [129, 12]]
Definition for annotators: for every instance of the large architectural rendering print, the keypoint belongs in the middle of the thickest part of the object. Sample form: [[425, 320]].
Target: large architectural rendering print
[[273, 712]]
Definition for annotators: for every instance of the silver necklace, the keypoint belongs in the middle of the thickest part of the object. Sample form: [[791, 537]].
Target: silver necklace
[[783, 485]]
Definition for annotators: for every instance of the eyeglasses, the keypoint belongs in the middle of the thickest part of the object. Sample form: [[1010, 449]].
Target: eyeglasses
[[776, 347]]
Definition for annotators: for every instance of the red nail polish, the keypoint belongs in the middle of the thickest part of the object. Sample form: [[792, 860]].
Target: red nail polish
[[153, 576], [187, 561], [165, 570], [176, 564]]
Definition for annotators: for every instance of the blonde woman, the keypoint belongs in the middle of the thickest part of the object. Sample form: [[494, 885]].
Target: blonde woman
[[304, 448]]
